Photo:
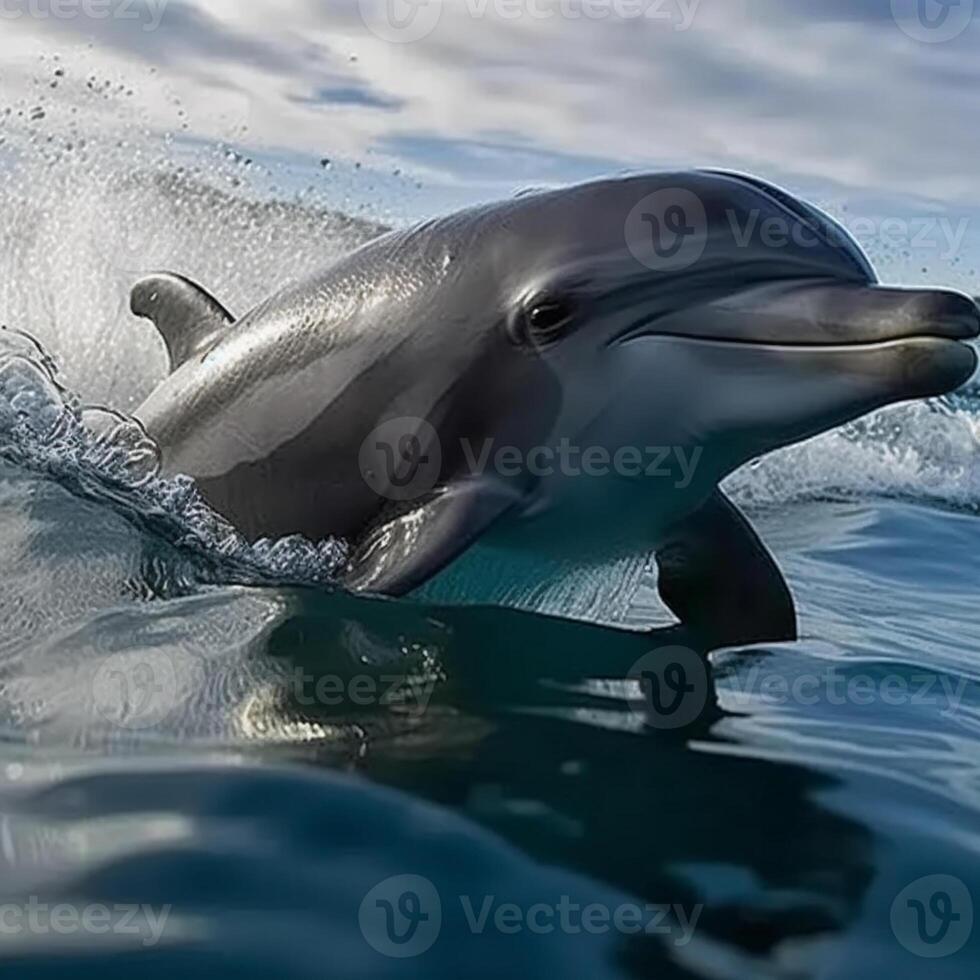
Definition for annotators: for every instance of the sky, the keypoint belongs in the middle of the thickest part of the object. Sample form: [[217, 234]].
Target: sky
[[867, 107]]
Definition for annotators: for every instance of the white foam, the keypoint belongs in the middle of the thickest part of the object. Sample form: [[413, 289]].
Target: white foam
[[105, 456], [923, 451]]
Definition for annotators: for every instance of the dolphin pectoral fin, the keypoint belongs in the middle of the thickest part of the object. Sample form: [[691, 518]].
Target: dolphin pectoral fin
[[720, 580], [188, 318], [401, 555]]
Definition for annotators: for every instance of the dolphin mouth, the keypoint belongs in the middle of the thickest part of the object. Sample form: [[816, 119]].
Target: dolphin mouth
[[820, 316]]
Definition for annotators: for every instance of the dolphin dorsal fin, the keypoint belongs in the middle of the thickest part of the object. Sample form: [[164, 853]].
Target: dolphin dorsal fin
[[189, 318]]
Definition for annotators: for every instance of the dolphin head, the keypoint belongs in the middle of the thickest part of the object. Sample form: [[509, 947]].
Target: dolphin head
[[706, 310]]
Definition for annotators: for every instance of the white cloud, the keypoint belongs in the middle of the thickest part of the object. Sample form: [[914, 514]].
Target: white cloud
[[836, 100]]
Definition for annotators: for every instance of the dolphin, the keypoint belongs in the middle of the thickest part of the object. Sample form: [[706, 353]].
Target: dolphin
[[533, 390]]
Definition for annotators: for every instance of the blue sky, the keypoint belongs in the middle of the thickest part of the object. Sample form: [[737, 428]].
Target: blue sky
[[868, 107]]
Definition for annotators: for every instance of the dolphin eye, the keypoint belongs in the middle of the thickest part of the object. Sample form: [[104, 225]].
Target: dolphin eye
[[545, 319]]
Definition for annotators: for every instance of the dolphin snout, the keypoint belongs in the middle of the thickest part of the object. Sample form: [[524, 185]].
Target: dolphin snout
[[884, 313], [825, 313], [931, 366], [849, 313], [846, 314], [943, 313]]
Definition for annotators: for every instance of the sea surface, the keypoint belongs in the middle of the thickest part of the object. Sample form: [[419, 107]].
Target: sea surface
[[213, 763]]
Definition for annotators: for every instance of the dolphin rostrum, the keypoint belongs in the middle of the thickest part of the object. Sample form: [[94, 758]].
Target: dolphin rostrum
[[526, 390]]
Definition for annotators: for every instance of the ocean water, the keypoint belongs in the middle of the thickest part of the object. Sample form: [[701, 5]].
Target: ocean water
[[214, 763]]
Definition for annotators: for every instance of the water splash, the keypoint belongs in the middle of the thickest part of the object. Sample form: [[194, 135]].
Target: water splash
[[93, 196], [102, 455], [926, 452]]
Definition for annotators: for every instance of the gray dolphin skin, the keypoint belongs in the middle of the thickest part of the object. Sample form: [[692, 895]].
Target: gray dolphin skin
[[628, 343]]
